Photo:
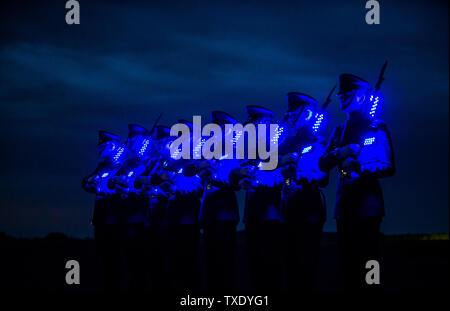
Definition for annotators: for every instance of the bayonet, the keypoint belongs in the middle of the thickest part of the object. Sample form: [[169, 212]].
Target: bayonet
[[380, 77], [328, 100], [320, 114], [155, 124]]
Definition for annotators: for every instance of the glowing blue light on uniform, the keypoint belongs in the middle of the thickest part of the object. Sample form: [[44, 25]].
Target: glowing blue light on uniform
[[180, 171], [319, 120], [277, 134], [130, 173], [105, 175], [369, 141], [223, 157], [198, 148], [259, 164], [144, 147], [175, 153], [373, 108], [237, 135], [306, 149], [118, 154]]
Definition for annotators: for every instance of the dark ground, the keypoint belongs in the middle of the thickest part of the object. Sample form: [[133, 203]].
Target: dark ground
[[410, 262]]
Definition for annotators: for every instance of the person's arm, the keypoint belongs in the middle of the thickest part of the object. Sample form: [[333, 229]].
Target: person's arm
[[384, 152], [243, 177], [264, 180], [189, 186], [190, 169], [221, 174], [322, 178], [309, 173], [331, 158], [335, 155], [92, 183]]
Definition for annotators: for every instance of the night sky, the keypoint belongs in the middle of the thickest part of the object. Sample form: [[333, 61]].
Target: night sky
[[128, 61]]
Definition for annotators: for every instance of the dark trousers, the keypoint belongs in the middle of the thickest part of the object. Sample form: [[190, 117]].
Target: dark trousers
[[135, 256], [302, 248], [220, 250], [108, 243], [358, 241], [264, 250], [183, 257], [157, 254]]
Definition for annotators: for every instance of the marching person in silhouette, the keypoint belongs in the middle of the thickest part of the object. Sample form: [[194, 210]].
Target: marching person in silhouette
[[219, 214], [106, 216], [361, 149], [156, 184], [262, 215], [133, 206], [303, 204], [183, 209]]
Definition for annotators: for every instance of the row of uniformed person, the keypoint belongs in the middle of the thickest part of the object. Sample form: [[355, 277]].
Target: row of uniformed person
[[156, 228]]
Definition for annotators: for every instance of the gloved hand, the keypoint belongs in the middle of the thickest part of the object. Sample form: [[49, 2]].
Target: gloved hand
[[289, 171], [201, 165], [243, 172], [91, 184], [248, 184], [121, 180], [351, 165], [144, 189], [290, 158], [205, 170], [206, 174], [141, 180], [167, 187], [239, 173], [147, 188], [165, 175], [351, 150], [121, 190], [247, 171]]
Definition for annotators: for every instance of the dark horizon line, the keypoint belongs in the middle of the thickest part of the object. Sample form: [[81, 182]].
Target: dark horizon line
[[412, 236]]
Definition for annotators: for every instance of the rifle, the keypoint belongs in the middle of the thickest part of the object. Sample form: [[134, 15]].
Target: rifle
[[319, 116], [380, 77], [155, 124], [374, 97], [328, 100]]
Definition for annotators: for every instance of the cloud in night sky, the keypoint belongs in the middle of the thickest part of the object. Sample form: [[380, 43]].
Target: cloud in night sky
[[128, 61]]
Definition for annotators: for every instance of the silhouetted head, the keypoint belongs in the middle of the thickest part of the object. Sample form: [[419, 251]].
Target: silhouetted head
[[188, 123], [138, 138], [221, 118], [353, 92], [107, 143], [258, 114], [161, 132], [301, 110]]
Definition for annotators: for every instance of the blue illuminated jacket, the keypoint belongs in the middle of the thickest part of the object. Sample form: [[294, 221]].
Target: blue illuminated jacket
[[361, 196]]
